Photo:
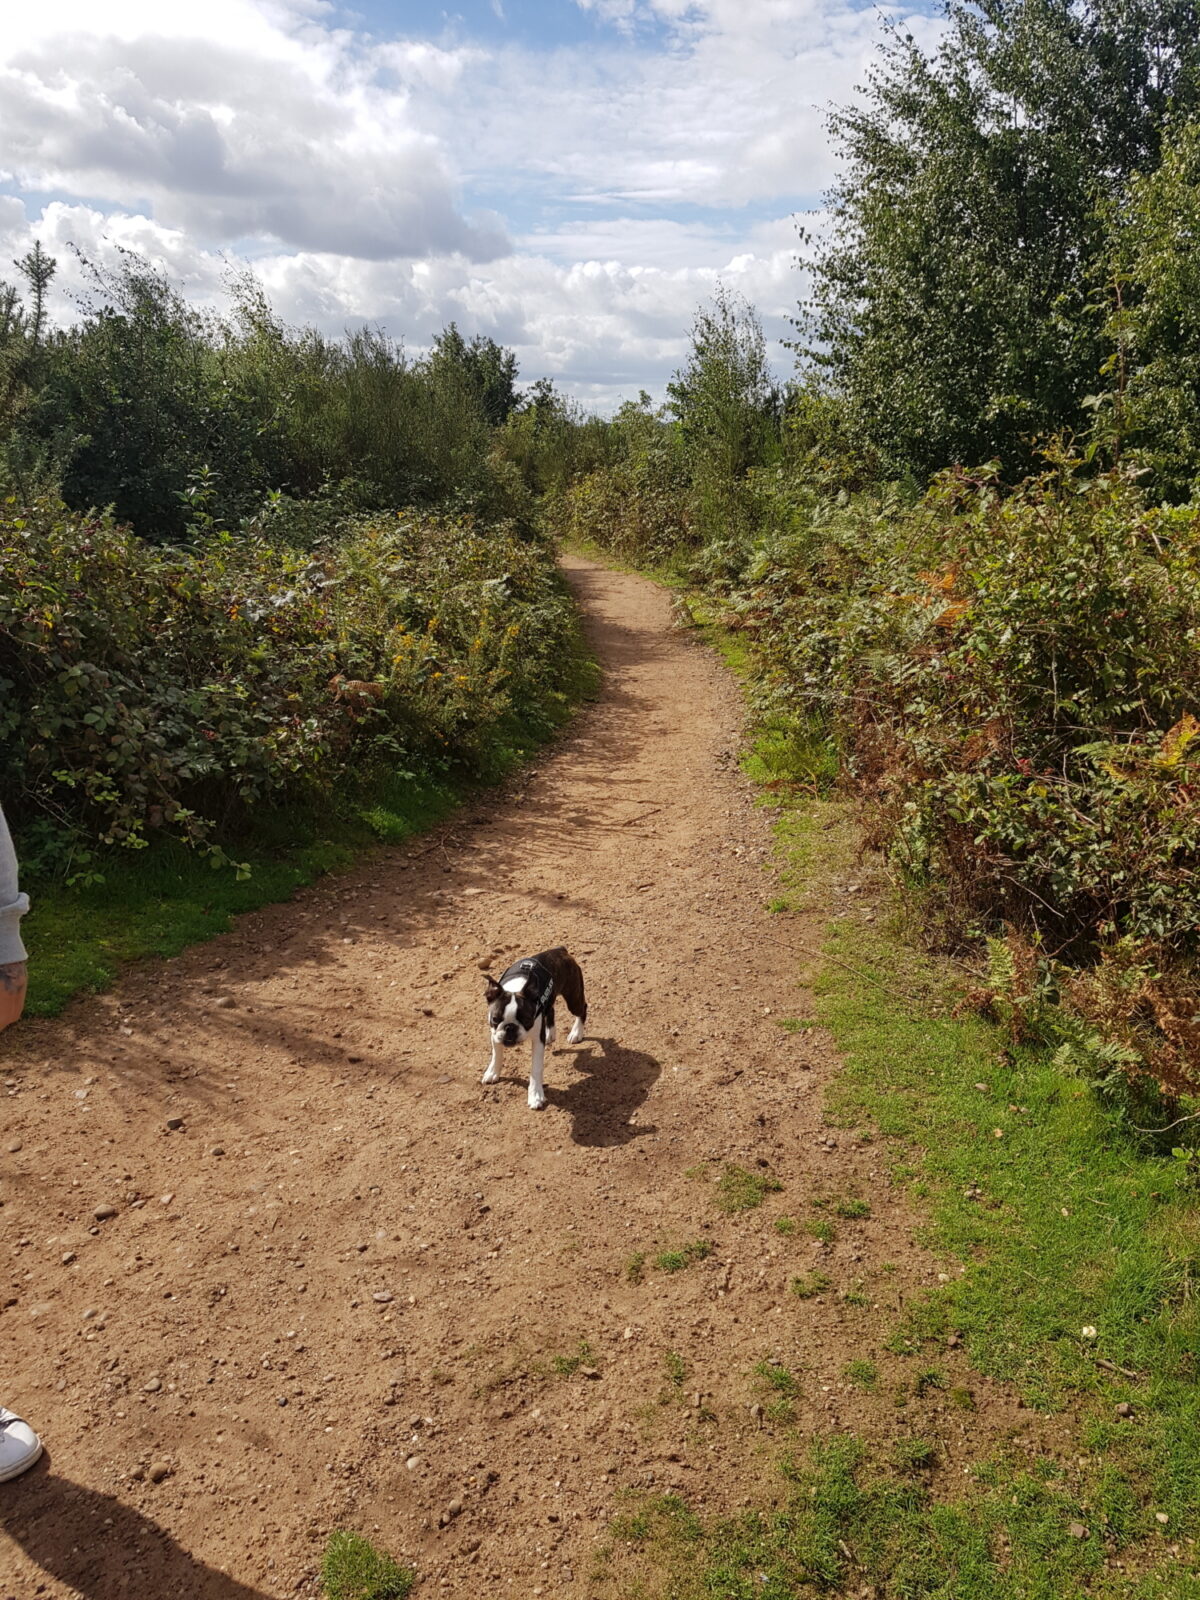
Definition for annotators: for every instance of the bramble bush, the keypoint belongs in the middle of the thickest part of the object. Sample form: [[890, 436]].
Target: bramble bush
[[1012, 679], [152, 688]]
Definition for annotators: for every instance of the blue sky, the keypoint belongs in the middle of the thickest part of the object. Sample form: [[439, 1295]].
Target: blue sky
[[572, 177], [552, 24]]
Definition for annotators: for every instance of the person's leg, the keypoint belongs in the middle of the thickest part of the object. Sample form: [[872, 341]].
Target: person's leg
[[13, 906], [20, 1447], [12, 991]]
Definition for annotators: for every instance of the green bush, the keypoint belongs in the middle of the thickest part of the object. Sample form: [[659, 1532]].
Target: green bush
[[1011, 679], [146, 688], [1008, 675]]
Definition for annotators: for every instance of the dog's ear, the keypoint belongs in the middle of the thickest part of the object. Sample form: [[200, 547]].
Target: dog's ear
[[493, 988]]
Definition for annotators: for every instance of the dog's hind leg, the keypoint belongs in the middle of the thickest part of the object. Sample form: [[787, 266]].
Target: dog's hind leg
[[576, 1002], [537, 1094], [550, 1029], [493, 1066]]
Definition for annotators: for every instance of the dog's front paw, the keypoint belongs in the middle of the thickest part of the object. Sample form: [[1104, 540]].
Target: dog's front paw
[[490, 1076], [576, 1032], [537, 1100]]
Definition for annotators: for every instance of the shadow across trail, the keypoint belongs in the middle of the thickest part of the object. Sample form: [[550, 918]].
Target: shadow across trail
[[102, 1549]]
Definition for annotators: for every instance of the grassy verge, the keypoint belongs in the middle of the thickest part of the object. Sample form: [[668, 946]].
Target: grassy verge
[[1078, 1252], [157, 901]]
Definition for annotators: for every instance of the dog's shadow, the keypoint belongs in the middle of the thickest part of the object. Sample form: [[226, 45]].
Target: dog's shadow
[[612, 1083]]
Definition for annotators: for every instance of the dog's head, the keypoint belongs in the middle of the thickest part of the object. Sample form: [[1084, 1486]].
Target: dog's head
[[511, 1012]]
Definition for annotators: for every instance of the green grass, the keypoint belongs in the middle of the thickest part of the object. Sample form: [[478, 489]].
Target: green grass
[[739, 1190], [635, 1267], [160, 900], [352, 1569], [1065, 1201], [567, 1365], [850, 1525], [820, 1228], [912, 1455], [841, 1205], [155, 902], [676, 1368], [656, 1518], [785, 1225], [1061, 1225], [863, 1374], [808, 1284], [777, 1378], [684, 1256], [779, 1386]]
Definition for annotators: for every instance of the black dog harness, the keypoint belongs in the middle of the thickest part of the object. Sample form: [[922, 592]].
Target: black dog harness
[[539, 983]]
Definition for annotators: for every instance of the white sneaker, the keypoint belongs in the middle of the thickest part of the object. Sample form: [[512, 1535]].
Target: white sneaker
[[20, 1447]]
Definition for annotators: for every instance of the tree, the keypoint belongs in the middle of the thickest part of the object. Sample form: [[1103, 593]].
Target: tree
[[725, 400], [727, 410], [951, 295], [482, 368], [37, 268], [1153, 398], [29, 460]]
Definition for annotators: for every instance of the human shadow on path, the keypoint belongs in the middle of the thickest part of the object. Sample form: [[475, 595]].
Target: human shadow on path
[[614, 1084], [102, 1549]]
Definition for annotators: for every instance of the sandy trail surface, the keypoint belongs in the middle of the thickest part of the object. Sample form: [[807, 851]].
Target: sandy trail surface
[[276, 1262]]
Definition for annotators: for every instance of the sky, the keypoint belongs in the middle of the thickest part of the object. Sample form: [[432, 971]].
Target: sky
[[569, 177]]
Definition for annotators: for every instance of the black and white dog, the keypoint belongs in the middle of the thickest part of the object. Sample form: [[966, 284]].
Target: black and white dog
[[521, 1003]]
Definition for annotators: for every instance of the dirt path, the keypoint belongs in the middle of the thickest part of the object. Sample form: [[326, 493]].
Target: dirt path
[[335, 1294]]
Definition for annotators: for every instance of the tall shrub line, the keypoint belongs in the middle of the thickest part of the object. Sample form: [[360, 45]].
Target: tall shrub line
[[148, 690]]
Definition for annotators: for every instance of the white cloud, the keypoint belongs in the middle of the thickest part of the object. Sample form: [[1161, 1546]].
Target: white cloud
[[234, 127], [339, 163], [734, 112]]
